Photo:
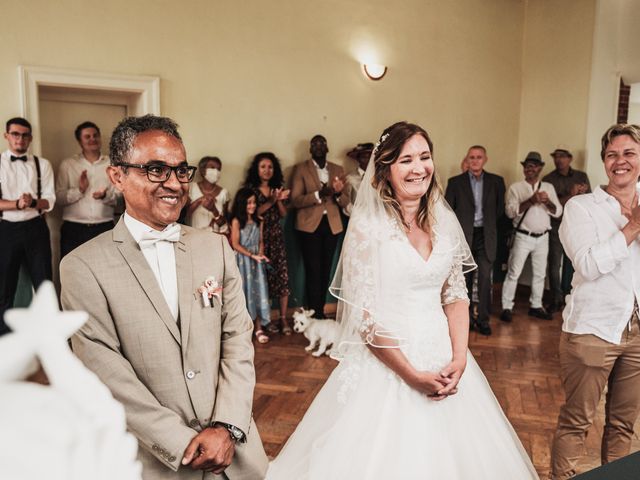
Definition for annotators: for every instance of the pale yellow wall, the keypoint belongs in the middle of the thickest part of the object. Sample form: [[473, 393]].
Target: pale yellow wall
[[556, 71], [634, 113], [615, 56], [245, 76]]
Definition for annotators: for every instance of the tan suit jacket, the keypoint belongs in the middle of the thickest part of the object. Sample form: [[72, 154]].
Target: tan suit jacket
[[173, 378], [304, 184]]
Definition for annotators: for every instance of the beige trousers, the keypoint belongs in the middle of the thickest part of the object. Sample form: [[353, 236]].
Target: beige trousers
[[587, 364]]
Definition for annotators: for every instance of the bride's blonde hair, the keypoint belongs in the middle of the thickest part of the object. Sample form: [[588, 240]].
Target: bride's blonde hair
[[385, 154]]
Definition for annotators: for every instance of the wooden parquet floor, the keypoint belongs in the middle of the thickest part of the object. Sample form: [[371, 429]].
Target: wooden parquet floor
[[520, 360]]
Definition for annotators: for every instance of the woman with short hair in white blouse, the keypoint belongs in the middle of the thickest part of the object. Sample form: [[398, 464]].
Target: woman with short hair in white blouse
[[600, 342]]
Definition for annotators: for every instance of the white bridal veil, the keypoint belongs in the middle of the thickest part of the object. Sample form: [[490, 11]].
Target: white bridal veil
[[357, 281]]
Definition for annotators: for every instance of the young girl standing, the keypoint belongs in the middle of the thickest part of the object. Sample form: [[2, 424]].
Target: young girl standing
[[246, 240]]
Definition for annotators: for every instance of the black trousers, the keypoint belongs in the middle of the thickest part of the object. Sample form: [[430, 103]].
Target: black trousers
[[22, 242], [318, 249], [484, 276], [73, 234]]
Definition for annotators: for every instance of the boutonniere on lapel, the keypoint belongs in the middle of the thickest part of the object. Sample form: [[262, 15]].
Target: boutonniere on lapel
[[208, 290]]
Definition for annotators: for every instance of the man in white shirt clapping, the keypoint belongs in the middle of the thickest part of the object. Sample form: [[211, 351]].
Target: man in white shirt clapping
[[530, 203], [84, 191], [26, 193]]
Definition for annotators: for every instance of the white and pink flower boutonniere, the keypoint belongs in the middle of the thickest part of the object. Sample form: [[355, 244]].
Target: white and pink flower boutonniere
[[209, 290]]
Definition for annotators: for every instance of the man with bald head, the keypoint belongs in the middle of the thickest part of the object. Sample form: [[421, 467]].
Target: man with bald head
[[477, 198], [318, 194], [168, 330]]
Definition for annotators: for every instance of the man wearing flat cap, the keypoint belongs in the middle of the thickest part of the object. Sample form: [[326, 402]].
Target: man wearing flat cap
[[361, 154], [531, 204], [567, 183]]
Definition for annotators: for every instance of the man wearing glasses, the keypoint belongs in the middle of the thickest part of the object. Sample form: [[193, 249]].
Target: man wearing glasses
[[178, 357], [26, 193]]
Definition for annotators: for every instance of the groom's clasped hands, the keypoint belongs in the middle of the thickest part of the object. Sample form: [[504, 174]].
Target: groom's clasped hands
[[439, 386]]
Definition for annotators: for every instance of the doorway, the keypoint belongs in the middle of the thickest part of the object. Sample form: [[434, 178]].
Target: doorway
[[55, 101], [61, 110]]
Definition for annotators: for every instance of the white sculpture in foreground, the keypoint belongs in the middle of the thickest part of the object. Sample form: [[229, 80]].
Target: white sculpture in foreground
[[72, 429]]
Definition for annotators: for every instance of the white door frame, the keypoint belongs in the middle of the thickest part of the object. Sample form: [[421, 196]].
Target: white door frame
[[145, 88]]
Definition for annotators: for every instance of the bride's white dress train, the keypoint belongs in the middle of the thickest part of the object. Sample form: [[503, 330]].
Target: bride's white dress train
[[366, 423]]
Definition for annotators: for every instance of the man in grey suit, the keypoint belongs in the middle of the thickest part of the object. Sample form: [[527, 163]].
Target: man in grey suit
[[177, 355], [477, 198]]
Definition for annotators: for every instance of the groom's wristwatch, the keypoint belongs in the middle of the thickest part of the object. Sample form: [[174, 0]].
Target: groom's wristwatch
[[235, 433]]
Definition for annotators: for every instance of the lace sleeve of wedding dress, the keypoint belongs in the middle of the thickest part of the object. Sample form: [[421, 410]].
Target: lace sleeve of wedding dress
[[448, 230], [455, 287]]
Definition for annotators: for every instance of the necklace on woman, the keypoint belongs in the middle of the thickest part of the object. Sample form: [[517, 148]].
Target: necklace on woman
[[408, 224]]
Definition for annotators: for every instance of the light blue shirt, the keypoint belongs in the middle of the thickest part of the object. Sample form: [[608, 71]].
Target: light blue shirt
[[476, 188]]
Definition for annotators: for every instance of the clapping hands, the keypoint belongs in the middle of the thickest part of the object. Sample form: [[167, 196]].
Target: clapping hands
[[209, 202], [279, 194], [24, 201], [83, 181], [338, 184], [539, 197], [325, 190]]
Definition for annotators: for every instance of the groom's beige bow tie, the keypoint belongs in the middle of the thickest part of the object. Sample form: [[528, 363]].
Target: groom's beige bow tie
[[169, 234]]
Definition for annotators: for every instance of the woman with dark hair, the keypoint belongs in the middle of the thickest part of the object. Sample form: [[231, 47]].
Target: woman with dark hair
[[265, 178], [398, 405], [208, 201]]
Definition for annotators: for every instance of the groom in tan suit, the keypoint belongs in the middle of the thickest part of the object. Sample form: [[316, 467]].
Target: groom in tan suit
[[179, 360]]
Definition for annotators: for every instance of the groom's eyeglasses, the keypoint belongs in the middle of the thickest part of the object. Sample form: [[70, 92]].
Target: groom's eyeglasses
[[158, 172]]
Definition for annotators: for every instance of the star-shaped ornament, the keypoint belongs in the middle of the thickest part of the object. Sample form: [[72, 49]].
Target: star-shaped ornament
[[35, 328]]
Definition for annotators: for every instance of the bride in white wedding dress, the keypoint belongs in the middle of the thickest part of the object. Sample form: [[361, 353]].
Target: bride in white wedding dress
[[407, 400]]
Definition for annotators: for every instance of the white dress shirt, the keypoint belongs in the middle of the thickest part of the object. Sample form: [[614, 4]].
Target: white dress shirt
[[82, 207], [607, 271], [161, 259], [323, 176], [20, 177], [538, 216]]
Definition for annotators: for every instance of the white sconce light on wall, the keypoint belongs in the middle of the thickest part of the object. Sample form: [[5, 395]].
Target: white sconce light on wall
[[374, 71]]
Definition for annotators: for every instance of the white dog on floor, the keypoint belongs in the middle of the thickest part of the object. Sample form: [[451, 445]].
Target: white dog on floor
[[322, 332]]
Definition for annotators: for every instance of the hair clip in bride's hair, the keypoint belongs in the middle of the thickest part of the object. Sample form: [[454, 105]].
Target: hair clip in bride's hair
[[380, 142]]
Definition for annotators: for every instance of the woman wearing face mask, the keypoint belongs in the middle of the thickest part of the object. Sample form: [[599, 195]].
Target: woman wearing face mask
[[209, 201]]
